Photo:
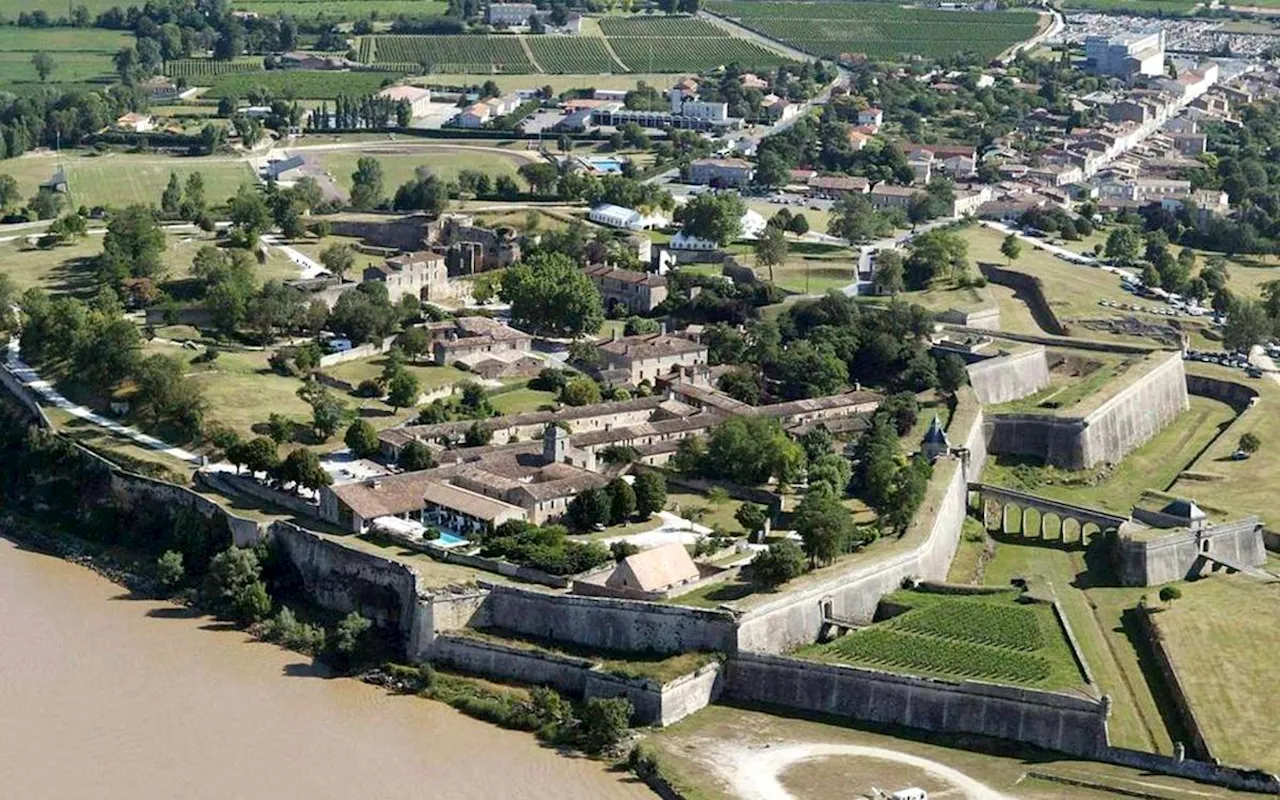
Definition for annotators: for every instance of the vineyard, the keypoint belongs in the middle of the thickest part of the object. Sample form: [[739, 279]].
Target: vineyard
[[208, 67], [341, 10], [993, 639], [572, 54], [300, 84], [880, 30], [656, 54], [673, 27], [466, 54]]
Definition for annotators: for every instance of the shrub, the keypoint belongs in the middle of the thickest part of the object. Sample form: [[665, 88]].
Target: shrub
[[169, 570], [604, 723], [783, 561], [368, 388], [620, 550]]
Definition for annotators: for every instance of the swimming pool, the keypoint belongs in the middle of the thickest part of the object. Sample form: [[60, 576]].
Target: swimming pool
[[449, 540], [605, 164]]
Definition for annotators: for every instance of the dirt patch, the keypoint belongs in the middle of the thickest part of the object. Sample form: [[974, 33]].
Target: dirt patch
[[1071, 365], [842, 776]]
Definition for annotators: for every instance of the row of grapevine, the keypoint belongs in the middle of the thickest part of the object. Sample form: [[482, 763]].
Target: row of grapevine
[[301, 85], [672, 27], [481, 54], [653, 54], [999, 625], [201, 67], [932, 655], [572, 54]]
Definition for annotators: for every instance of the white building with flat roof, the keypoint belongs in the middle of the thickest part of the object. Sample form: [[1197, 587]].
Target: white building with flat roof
[[509, 14], [1127, 54]]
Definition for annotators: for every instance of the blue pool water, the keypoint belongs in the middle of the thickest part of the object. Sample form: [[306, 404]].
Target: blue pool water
[[604, 164], [449, 540]]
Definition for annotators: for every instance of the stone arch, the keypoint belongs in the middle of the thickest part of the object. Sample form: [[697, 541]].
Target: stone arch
[[1051, 526], [1088, 531], [1032, 519], [1071, 531], [1011, 518]]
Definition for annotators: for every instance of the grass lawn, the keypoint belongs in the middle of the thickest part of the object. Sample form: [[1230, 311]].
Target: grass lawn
[[119, 179], [1239, 487], [1220, 637], [1154, 465], [716, 515], [1096, 614], [429, 377], [398, 164], [944, 298], [518, 401], [702, 754], [79, 54]]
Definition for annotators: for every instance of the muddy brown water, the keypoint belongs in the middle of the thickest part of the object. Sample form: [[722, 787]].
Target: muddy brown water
[[106, 697]]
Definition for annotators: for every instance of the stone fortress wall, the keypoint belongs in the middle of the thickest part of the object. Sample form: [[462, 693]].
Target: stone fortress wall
[[1168, 556], [1010, 376], [1124, 422]]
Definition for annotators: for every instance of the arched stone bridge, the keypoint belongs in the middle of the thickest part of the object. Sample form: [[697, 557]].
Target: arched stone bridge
[[1078, 523]]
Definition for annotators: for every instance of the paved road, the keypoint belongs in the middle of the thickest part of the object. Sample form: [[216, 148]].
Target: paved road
[[32, 380], [307, 267]]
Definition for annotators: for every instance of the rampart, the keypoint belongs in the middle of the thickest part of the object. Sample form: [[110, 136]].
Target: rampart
[[796, 618], [1030, 292], [654, 703], [1152, 557], [1120, 424], [1067, 723], [401, 233], [1011, 376], [632, 626]]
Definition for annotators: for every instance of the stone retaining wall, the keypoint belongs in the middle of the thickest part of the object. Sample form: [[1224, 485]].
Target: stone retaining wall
[[1030, 292], [1011, 376], [1065, 723], [655, 704]]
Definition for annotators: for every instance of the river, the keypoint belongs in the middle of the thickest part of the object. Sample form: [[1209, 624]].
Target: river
[[108, 697]]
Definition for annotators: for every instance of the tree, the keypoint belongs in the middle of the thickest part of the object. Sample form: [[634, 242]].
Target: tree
[[171, 198], [327, 412], [1011, 248], [402, 390], [550, 296], [622, 501], [1123, 245], [888, 276], [133, 247], [9, 191], [415, 457], [425, 192], [303, 469], [771, 248], [604, 722], [780, 563], [798, 225], [823, 524], [855, 220], [651, 493], [257, 455], [249, 214], [169, 570], [366, 183], [362, 439], [350, 637], [951, 373], [580, 391], [590, 508], [752, 517], [1170, 593], [233, 586], [716, 217], [1249, 443], [44, 65], [1247, 325]]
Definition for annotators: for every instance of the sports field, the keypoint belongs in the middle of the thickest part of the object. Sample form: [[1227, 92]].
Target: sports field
[[880, 30], [399, 163], [120, 180]]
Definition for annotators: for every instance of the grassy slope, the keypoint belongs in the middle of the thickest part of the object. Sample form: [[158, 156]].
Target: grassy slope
[[1221, 636], [79, 54]]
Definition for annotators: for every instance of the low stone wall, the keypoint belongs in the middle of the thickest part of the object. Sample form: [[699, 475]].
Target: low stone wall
[[1011, 376], [400, 233], [1030, 292], [625, 626], [655, 704], [1249, 780], [230, 484], [1064, 723], [1196, 744], [493, 565], [796, 618], [367, 350], [1235, 394], [343, 579]]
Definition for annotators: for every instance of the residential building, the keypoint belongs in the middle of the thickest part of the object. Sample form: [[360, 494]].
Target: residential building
[[476, 115], [969, 201], [721, 172], [512, 15], [886, 196], [134, 122], [639, 292], [1208, 203], [858, 140], [161, 89], [832, 186], [957, 160], [654, 571], [1126, 55], [631, 360], [778, 109], [464, 336], [419, 99], [421, 275], [1189, 144], [871, 116], [501, 106]]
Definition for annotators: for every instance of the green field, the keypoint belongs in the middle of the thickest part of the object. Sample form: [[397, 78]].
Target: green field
[[194, 69], [398, 165], [1220, 637], [119, 179], [990, 638], [880, 29], [344, 10], [302, 85], [79, 54]]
